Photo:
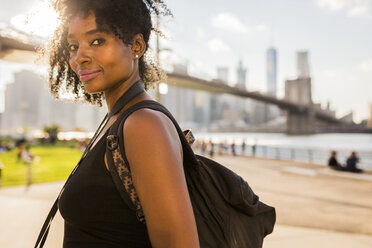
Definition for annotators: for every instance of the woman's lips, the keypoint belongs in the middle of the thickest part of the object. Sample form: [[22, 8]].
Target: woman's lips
[[84, 77]]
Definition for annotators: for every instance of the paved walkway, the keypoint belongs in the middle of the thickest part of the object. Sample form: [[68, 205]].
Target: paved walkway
[[304, 197]]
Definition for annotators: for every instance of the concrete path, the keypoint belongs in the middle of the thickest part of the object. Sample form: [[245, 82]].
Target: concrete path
[[297, 237], [308, 195], [22, 212]]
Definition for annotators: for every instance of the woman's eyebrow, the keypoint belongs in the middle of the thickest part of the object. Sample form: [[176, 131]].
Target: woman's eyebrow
[[97, 30], [90, 32]]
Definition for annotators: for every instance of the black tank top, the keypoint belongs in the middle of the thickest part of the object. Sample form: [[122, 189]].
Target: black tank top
[[95, 215]]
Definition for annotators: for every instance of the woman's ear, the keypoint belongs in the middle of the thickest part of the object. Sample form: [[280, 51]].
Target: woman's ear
[[138, 46]]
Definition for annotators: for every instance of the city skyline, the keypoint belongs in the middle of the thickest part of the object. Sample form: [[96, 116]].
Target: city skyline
[[31, 105], [335, 33]]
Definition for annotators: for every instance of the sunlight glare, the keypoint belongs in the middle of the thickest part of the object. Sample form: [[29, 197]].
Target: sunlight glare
[[40, 20], [163, 88]]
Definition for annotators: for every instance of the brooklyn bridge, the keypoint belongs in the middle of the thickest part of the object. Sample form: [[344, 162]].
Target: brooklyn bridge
[[303, 115]]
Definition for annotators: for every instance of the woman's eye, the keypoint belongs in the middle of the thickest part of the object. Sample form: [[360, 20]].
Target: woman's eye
[[72, 47], [97, 42]]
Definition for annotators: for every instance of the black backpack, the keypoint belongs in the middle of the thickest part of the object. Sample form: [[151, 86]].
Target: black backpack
[[227, 212]]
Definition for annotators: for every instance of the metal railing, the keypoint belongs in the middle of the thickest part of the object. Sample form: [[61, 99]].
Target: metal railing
[[309, 155]]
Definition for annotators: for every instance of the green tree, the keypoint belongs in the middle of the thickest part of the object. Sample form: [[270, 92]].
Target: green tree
[[52, 133]]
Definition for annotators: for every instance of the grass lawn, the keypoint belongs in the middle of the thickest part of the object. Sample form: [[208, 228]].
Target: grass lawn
[[56, 163]]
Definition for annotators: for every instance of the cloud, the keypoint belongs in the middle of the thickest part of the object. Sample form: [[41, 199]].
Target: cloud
[[218, 45], [262, 28], [200, 33], [330, 73], [229, 22], [334, 5], [359, 11], [351, 8], [366, 66]]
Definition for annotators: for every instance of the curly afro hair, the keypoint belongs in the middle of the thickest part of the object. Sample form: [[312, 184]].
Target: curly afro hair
[[125, 18]]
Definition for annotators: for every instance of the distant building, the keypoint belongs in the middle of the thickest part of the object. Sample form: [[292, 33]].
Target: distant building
[[2, 96], [181, 101], [22, 102], [180, 69], [87, 117], [217, 100], [348, 118], [327, 109], [303, 70], [259, 114], [28, 103], [271, 73], [238, 105], [298, 91], [223, 74], [271, 111], [202, 108], [242, 75], [369, 122]]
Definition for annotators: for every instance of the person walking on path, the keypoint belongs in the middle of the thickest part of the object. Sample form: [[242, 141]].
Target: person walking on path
[[99, 54], [203, 146], [233, 152], [221, 148], [27, 157], [211, 148], [254, 147]]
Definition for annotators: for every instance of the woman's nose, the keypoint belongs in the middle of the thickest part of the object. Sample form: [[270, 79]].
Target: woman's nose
[[81, 56]]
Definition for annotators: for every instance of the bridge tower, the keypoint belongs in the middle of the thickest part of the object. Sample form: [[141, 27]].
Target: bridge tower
[[299, 91]]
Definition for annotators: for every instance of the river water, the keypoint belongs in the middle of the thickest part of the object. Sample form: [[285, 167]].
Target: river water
[[313, 148]]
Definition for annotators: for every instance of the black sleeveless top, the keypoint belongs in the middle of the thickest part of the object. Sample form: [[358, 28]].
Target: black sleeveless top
[[95, 215]]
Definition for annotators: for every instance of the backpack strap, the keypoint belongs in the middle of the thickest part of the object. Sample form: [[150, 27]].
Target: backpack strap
[[117, 160]]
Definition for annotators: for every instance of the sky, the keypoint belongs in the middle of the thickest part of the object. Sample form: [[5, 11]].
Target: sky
[[208, 34]]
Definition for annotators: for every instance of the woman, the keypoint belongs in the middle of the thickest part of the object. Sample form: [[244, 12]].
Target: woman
[[98, 53]]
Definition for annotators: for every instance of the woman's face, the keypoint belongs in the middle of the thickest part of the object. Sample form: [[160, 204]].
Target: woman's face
[[100, 59]]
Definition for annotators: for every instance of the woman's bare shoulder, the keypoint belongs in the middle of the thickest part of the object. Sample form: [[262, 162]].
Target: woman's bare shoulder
[[151, 133], [150, 126]]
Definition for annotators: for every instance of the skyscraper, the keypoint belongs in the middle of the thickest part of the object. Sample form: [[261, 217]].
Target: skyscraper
[[270, 111], [217, 100], [22, 100], [180, 101], [28, 103], [303, 70], [271, 71], [242, 74]]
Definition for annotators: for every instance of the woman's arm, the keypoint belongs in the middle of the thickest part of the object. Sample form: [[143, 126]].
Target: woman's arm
[[154, 153]]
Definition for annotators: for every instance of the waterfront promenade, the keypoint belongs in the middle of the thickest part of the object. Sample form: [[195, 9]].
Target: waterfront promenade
[[316, 207]]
